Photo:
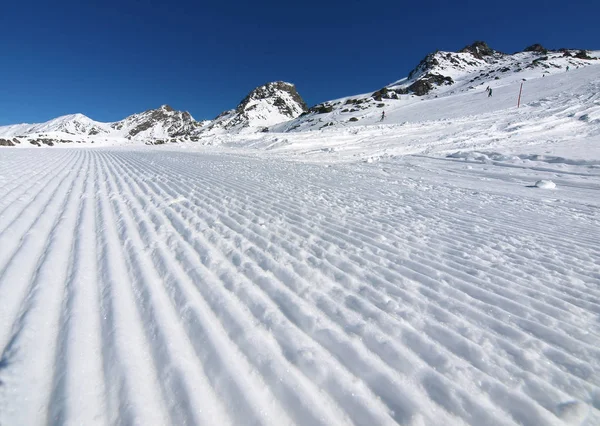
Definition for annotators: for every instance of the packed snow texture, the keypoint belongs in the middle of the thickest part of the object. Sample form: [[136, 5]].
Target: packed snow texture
[[156, 287], [545, 184]]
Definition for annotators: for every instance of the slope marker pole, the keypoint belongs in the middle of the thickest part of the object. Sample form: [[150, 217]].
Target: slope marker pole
[[519, 101]]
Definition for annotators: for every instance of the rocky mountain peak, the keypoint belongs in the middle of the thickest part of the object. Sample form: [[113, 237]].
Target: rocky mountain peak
[[160, 122], [264, 106], [276, 91], [538, 48], [478, 49]]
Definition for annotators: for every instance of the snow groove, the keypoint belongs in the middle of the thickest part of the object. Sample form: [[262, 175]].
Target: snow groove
[[151, 287]]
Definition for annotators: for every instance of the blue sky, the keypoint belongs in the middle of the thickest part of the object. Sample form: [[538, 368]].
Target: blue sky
[[109, 59]]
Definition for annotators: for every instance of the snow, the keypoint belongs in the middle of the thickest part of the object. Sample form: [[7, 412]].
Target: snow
[[545, 184], [156, 287], [402, 272]]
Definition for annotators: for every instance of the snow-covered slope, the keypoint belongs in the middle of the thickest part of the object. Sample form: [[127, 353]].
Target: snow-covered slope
[[443, 74], [265, 106], [155, 287], [558, 121]]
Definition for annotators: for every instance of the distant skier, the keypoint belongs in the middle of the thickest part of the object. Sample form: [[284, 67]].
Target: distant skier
[[382, 115], [490, 93], [567, 68]]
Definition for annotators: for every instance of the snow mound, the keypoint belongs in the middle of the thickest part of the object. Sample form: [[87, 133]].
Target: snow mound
[[545, 184]]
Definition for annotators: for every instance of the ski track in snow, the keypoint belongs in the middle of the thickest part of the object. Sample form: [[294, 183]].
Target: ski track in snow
[[144, 287]]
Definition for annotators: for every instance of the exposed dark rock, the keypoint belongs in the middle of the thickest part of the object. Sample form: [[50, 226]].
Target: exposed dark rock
[[426, 63], [479, 49], [538, 61], [321, 109], [327, 125], [387, 93], [582, 54], [426, 83], [6, 142], [353, 119], [538, 48], [380, 94]]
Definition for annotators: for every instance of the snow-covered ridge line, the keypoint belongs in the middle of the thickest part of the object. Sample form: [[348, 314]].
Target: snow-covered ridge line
[[277, 107], [444, 74], [265, 106]]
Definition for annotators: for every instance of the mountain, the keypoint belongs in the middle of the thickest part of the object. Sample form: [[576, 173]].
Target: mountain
[[440, 73], [73, 124], [160, 123], [277, 107], [152, 126], [265, 106]]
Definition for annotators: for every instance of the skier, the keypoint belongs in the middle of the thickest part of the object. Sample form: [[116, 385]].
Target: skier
[[490, 93], [382, 115], [567, 68]]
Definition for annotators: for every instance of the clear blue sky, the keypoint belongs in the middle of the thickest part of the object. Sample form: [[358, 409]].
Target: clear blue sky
[[108, 59]]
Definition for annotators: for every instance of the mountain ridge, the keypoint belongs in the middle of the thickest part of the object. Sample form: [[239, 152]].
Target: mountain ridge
[[278, 107]]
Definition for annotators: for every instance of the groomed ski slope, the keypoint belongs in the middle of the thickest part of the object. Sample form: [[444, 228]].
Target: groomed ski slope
[[154, 287]]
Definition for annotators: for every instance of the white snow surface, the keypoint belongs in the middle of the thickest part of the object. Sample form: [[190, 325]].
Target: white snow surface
[[406, 272], [545, 184]]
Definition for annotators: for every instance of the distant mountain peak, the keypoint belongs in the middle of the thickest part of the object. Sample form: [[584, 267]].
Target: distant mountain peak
[[536, 48], [478, 49], [266, 105], [276, 91], [163, 122]]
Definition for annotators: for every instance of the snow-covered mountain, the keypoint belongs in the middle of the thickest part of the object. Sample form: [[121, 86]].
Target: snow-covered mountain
[[73, 124], [160, 123], [152, 126], [439, 74], [265, 106], [278, 107]]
